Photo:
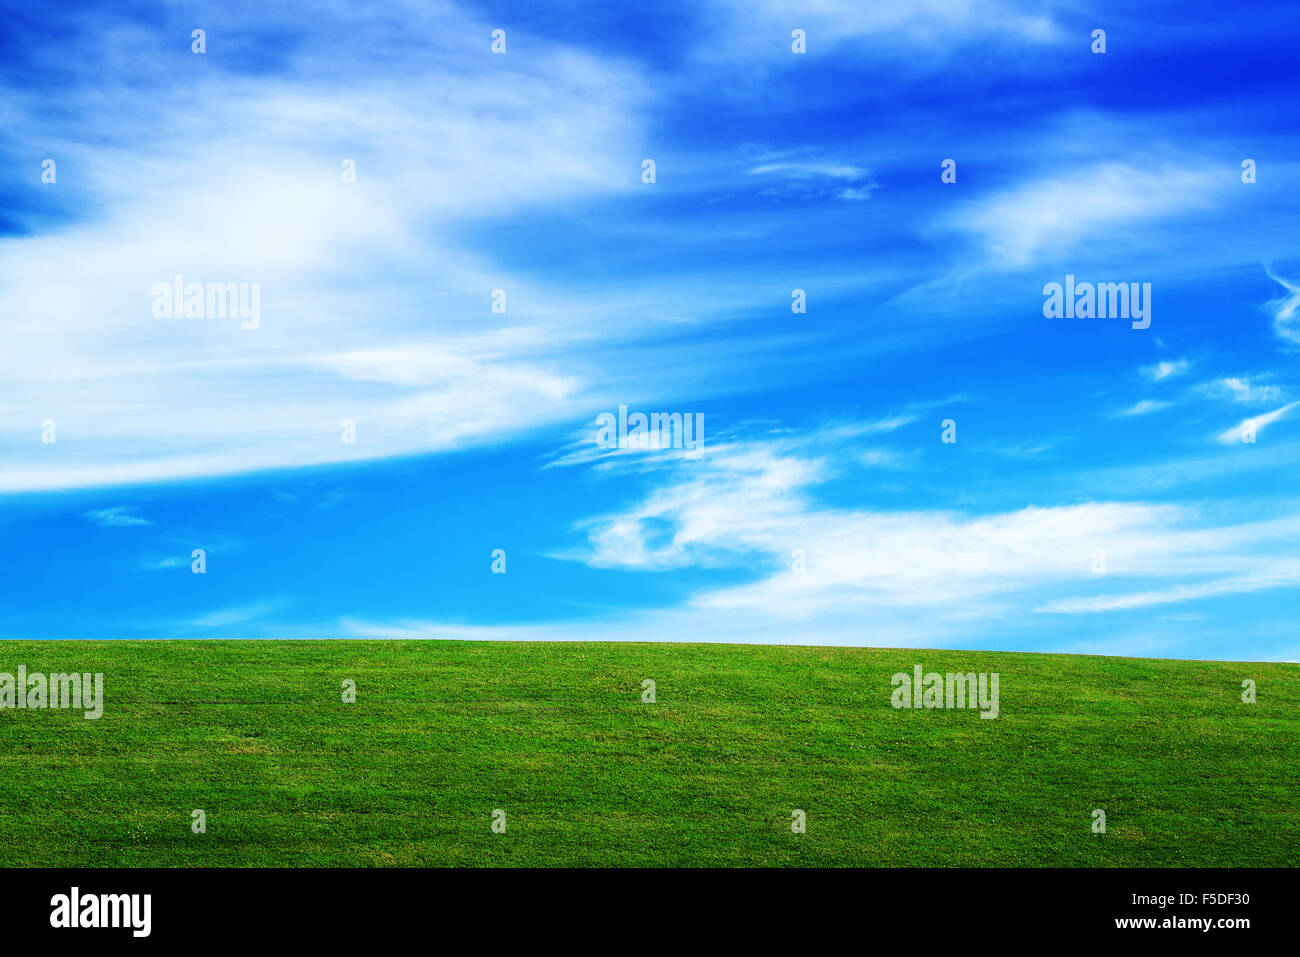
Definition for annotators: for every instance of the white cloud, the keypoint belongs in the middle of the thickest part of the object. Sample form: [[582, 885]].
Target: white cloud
[[1145, 407], [809, 170], [1243, 390], [1285, 309], [1234, 434], [241, 615], [1285, 577], [118, 516], [931, 26], [648, 625], [583, 449], [750, 505], [854, 193], [367, 312], [813, 178], [1054, 213], [1165, 369]]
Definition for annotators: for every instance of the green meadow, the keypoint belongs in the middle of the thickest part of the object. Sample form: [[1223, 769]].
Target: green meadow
[[557, 736]]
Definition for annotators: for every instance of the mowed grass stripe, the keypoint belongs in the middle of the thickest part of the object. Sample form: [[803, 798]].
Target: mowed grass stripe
[[442, 733]]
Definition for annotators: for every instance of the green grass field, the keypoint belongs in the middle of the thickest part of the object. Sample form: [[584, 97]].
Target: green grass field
[[442, 733]]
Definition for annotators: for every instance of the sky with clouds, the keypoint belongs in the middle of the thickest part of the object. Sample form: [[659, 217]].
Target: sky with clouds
[[1098, 496]]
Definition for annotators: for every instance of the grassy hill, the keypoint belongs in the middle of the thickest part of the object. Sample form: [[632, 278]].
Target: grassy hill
[[443, 733]]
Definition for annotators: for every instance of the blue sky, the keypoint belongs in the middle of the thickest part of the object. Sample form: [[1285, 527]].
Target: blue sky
[[1098, 497]]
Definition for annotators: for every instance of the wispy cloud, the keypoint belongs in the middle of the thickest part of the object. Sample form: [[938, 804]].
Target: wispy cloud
[[1285, 309], [240, 615], [1054, 213], [810, 178], [809, 171], [117, 516], [1283, 577], [1165, 369], [751, 505], [368, 313], [1145, 407], [1257, 423], [1243, 390], [934, 27]]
